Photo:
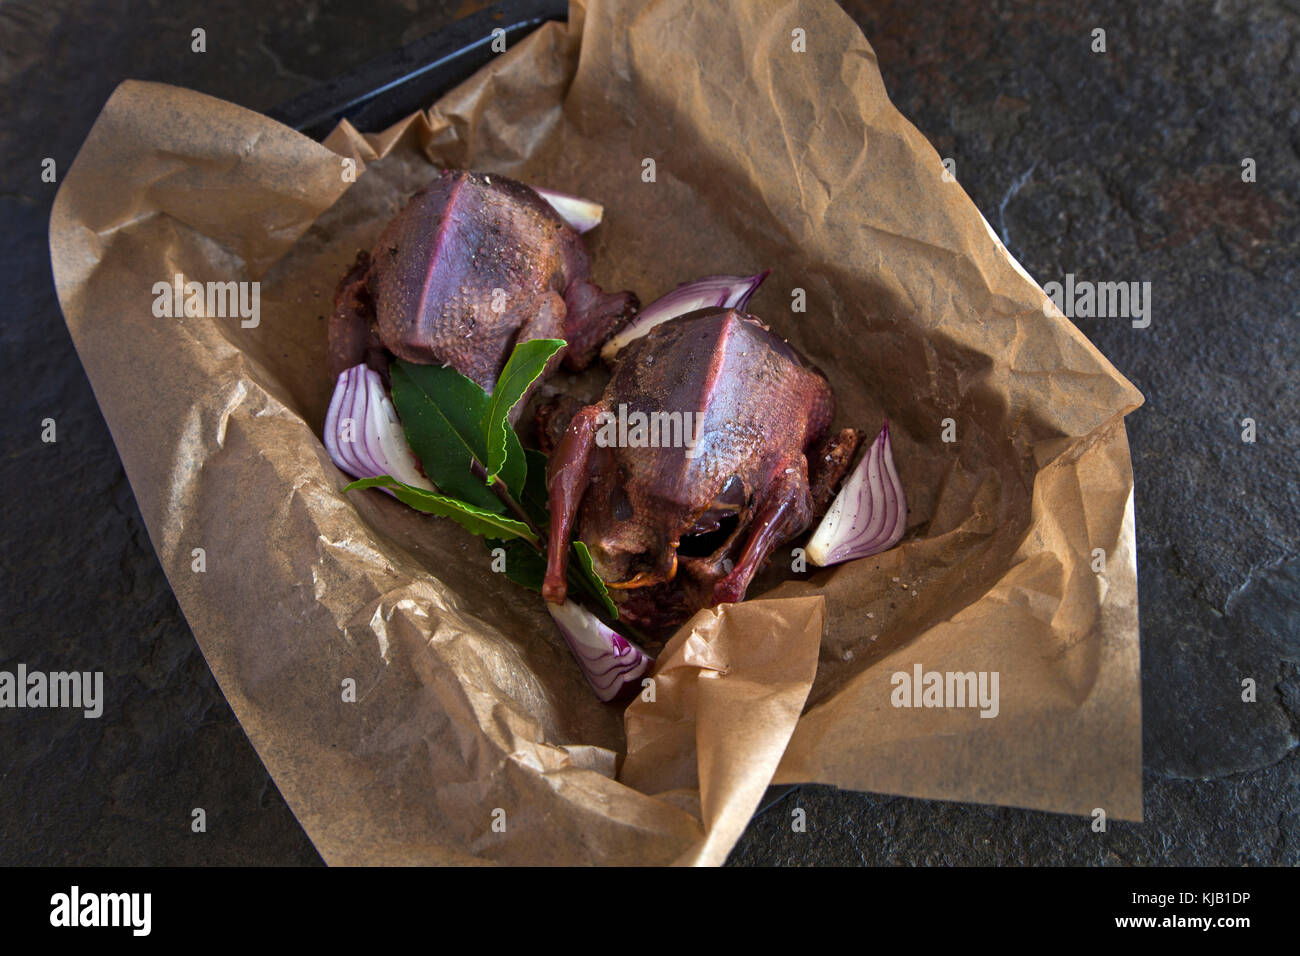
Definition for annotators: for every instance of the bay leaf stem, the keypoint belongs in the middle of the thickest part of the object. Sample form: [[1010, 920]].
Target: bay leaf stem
[[499, 489]]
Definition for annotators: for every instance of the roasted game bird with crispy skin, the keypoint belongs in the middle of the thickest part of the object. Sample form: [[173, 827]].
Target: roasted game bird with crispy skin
[[675, 529], [473, 265]]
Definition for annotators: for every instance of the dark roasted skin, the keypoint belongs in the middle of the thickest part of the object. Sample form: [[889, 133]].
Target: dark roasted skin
[[353, 336], [671, 533], [473, 265]]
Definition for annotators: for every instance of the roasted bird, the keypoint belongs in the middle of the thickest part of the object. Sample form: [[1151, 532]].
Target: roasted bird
[[707, 451], [473, 265]]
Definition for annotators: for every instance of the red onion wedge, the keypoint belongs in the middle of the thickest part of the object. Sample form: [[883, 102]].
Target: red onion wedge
[[728, 292], [362, 433], [612, 664], [582, 214], [868, 516]]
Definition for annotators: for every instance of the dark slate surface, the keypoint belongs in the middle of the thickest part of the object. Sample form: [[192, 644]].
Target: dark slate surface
[[1116, 166]]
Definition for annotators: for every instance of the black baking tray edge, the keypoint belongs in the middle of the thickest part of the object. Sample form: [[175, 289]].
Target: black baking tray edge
[[405, 80], [391, 87]]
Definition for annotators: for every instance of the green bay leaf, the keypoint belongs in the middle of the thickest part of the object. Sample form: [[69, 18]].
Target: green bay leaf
[[591, 581], [526, 362], [523, 564], [535, 500], [472, 519], [443, 414]]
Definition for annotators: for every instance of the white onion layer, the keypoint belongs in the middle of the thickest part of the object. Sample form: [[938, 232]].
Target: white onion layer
[[374, 444], [582, 214], [609, 661], [868, 516], [727, 292]]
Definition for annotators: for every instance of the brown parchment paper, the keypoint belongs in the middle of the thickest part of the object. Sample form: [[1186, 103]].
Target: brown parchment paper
[[473, 737]]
